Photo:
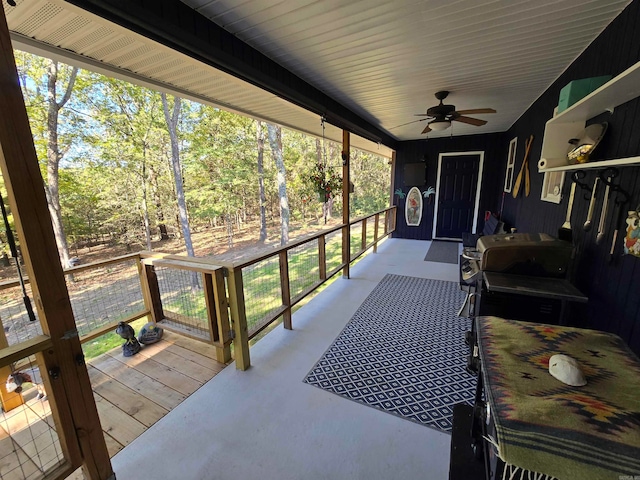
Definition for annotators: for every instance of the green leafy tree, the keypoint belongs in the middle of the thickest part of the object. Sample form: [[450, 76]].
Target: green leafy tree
[[133, 139], [47, 87], [172, 118]]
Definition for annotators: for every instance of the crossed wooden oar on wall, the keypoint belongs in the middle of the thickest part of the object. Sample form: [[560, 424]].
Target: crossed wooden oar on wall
[[524, 169]]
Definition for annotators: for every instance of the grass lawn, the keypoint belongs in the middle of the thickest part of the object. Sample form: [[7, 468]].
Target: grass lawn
[[261, 290]]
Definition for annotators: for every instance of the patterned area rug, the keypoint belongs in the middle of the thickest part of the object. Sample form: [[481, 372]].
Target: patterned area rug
[[402, 352]]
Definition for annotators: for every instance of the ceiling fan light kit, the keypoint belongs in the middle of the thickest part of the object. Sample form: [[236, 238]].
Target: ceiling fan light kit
[[439, 125]]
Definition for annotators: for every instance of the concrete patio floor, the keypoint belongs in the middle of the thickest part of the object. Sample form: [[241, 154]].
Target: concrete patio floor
[[265, 423]]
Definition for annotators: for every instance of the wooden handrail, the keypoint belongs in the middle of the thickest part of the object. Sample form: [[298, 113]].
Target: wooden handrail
[[213, 269], [289, 301], [211, 263], [100, 263], [69, 271], [276, 251], [13, 353], [182, 264]]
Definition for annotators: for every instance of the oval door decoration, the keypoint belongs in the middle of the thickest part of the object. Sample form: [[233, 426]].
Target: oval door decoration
[[413, 207]]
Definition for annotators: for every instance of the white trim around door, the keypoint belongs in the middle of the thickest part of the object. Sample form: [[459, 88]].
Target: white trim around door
[[480, 154]]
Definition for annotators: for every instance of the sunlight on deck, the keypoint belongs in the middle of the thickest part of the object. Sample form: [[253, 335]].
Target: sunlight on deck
[[134, 393]]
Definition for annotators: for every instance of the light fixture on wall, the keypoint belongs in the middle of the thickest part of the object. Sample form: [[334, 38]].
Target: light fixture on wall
[[439, 125]]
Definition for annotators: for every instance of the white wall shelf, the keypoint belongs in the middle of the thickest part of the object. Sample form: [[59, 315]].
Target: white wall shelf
[[570, 123], [619, 162]]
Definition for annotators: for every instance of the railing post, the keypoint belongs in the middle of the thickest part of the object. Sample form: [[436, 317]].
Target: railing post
[[375, 233], [238, 319], [322, 257], [285, 288], [394, 218], [363, 241], [150, 290], [386, 222], [217, 313]]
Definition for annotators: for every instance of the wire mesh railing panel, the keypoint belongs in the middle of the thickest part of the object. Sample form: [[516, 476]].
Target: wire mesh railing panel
[[356, 239], [304, 270], [14, 317], [29, 444], [104, 295], [183, 301], [262, 292], [333, 250], [371, 225]]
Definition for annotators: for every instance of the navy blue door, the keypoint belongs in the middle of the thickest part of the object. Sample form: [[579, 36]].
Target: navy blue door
[[457, 195]]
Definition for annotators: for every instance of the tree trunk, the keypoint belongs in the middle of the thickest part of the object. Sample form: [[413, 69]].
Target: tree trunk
[[145, 208], [54, 155], [262, 197], [172, 126], [227, 219], [162, 227], [275, 141]]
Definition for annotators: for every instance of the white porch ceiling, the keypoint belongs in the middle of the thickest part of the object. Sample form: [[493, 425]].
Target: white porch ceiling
[[59, 30], [382, 59], [385, 59]]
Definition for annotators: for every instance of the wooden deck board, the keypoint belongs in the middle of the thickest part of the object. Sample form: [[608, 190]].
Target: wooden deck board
[[191, 344], [160, 353], [205, 361], [139, 382], [166, 375], [129, 401], [123, 428], [113, 446]]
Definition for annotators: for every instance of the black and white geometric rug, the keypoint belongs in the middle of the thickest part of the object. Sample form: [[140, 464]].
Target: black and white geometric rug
[[402, 352]]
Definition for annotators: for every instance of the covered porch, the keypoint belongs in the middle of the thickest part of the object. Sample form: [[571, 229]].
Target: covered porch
[[266, 423]]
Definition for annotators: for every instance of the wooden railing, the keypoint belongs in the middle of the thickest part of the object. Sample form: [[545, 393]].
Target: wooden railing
[[243, 295], [221, 303]]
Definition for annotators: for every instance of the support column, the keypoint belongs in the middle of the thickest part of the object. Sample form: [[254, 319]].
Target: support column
[[68, 385], [346, 230]]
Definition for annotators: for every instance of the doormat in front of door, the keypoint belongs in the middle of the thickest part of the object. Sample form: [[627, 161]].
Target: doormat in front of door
[[443, 252], [402, 352]]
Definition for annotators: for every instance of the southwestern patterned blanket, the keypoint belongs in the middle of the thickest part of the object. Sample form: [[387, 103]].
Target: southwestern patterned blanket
[[543, 425]]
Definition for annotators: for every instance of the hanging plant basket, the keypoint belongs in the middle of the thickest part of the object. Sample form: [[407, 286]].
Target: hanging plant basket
[[322, 196]]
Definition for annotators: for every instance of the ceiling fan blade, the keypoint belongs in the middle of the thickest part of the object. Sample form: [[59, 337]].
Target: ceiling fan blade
[[422, 115], [476, 110], [409, 123], [471, 121], [427, 129]]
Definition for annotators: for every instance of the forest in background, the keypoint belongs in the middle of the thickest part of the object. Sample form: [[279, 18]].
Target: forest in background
[[128, 166]]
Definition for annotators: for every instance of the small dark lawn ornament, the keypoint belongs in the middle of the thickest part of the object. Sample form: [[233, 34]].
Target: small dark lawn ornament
[[131, 346]]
